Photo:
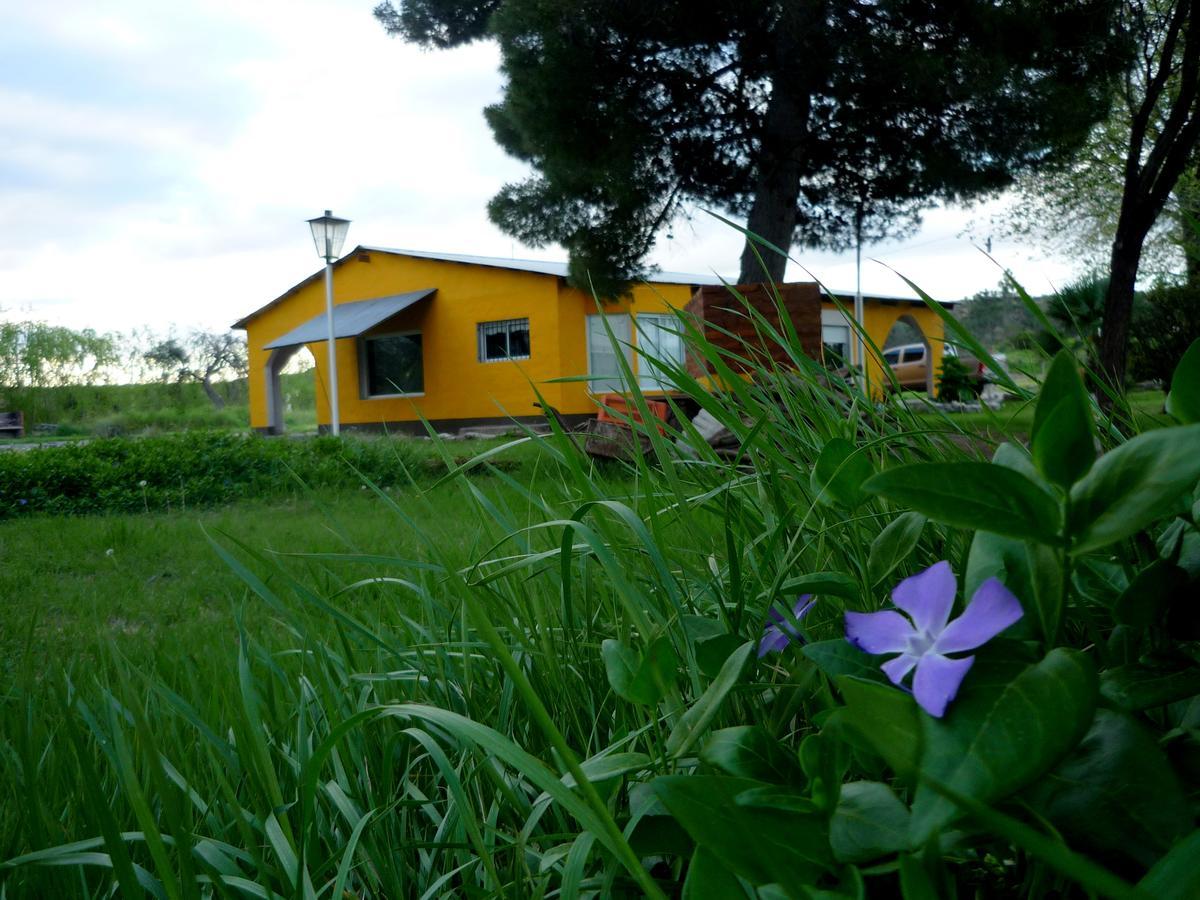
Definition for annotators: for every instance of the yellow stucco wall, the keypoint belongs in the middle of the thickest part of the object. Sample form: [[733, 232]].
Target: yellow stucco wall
[[457, 385], [878, 319]]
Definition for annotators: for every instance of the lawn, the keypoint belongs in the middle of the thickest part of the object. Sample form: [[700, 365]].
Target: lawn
[[1015, 418], [77, 587]]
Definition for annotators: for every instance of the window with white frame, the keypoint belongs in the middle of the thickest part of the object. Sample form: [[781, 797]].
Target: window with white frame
[[660, 350], [835, 338], [503, 340], [603, 365], [392, 365]]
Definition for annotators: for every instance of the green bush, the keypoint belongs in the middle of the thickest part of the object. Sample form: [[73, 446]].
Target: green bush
[[1165, 322], [193, 469], [954, 382]]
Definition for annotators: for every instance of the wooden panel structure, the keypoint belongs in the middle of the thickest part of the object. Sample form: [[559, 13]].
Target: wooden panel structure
[[728, 325]]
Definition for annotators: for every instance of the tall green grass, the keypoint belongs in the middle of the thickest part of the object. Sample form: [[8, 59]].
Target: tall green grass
[[446, 725]]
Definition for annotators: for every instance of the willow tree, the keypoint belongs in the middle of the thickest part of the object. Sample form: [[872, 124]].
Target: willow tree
[[809, 120]]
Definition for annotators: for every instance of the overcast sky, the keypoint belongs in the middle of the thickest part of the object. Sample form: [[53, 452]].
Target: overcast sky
[[158, 160]]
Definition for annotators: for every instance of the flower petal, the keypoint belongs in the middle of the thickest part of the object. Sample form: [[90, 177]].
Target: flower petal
[[878, 632], [991, 610], [937, 681], [896, 669], [804, 605], [928, 597], [773, 641]]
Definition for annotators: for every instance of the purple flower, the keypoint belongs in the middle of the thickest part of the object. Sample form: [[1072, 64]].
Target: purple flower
[[925, 634], [779, 631]]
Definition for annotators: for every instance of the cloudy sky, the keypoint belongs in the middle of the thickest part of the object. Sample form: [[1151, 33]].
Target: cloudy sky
[[158, 160]]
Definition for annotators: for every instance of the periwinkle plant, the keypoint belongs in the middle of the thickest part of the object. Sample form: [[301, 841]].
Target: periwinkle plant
[[1031, 727]]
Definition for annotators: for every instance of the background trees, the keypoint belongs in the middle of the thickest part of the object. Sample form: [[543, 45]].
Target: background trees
[[1162, 93], [1129, 202], [202, 357], [809, 120], [38, 355]]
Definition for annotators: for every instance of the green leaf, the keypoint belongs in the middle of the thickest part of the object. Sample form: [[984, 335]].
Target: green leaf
[[711, 653], [885, 717], [915, 881], [693, 723], [839, 657], [1183, 401], [839, 473], [660, 835], [1134, 485], [1116, 794], [893, 545], [1033, 572], [770, 796], [1148, 685], [1145, 601], [869, 822], [621, 665], [643, 681], [1063, 437], [762, 844], [973, 495], [1015, 457], [1007, 727], [819, 583], [1091, 877], [1176, 876], [609, 765], [707, 879], [749, 751]]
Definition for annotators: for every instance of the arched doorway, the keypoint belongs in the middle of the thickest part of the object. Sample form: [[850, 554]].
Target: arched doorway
[[283, 360], [906, 350]]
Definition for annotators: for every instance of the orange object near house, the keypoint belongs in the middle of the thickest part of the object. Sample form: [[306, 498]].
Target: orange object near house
[[618, 408]]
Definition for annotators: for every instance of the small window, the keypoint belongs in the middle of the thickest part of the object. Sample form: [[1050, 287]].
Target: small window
[[504, 340], [835, 340], [393, 364], [603, 365], [914, 354], [891, 357], [658, 341]]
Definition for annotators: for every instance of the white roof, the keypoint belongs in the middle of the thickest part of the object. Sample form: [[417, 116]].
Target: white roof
[[542, 267]]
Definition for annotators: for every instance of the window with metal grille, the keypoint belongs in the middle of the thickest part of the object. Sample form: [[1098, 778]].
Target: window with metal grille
[[504, 340]]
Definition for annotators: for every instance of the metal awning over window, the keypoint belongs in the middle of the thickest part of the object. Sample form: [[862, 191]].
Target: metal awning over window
[[350, 319]]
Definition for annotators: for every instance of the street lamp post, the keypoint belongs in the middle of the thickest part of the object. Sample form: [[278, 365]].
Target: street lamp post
[[329, 232]]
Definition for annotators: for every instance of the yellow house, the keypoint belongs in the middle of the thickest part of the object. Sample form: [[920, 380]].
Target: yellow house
[[462, 340]]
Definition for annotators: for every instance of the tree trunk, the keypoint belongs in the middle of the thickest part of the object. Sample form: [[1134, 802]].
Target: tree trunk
[[217, 400], [1118, 303], [773, 213], [781, 150]]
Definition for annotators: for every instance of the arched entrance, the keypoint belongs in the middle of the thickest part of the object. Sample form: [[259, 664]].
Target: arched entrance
[[906, 350], [296, 358]]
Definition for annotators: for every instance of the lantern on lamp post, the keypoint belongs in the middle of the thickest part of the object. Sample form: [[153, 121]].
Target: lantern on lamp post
[[329, 232]]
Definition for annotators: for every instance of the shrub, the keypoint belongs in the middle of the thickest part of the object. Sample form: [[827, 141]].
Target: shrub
[[1165, 322], [193, 469], [954, 382]]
